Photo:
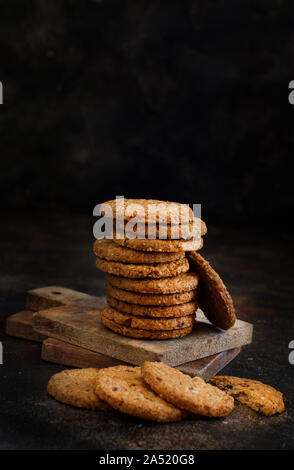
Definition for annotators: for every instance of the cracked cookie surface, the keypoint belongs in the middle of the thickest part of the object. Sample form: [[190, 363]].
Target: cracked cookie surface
[[193, 395], [253, 393], [151, 210], [181, 283], [150, 299], [144, 334], [111, 251], [138, 271], [76, 387], [145, 323], [152, 311], [171, 232], [123, 388], [148, 244]]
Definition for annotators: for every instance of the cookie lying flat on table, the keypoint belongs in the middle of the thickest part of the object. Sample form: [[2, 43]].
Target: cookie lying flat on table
[[144, 323], [153, 311], [151, 210], [213, 296], [146, 334], [149, 244], [181, 283], [189, 394], [123, 388], [150, 299], [111, 251], [257, 395], [137, 271], [76, 387]]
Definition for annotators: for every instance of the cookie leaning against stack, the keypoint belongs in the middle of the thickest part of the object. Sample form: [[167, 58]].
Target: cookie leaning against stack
[[151, 292]]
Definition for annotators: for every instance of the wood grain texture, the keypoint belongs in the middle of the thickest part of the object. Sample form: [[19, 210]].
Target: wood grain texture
[[59, 352], [55, 296], [66, 354], [82, 327], [209, 366], [20, 325]]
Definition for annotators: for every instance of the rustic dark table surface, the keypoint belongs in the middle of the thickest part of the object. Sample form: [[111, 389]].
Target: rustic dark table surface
[[57, 250]]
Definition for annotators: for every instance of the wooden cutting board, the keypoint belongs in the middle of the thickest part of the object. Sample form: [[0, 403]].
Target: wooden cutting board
[[61, 352], [19, 325], [82, 327], [54, 296], [54, 350]]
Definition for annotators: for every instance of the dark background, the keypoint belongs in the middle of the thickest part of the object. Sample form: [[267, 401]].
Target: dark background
[[179, 100]]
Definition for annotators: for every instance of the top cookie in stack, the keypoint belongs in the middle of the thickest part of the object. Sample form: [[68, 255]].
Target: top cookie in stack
[[151, 292]]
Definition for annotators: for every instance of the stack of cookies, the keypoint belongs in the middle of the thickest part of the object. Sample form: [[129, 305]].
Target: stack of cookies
[[151, 290]]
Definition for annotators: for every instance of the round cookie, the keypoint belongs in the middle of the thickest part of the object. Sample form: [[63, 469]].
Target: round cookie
[[111, 251], [140, 333], [213, 296], [193, 395], [145, 323], [156, 211], [76, 387], [181, 283], [181, 310], [257, 395], [172, 232], [148, 244], [138, 271], [123, 388], [150, 299]]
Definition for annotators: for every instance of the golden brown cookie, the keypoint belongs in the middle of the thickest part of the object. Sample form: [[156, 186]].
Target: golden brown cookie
[[76, 387], [147, 244], [138, 271], [152, 311], [145, 323], [123, 388], [171, 232], [258, 396], [111, 251], [150, 209], [140, 333], [181, 283], [189, 394], [213, 296], [150, 299]]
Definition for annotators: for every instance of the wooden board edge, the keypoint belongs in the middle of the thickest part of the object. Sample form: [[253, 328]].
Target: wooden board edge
[[58, 352], [19, 326]]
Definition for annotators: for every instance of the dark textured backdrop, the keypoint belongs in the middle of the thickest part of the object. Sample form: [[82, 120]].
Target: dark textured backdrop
[[183, 100]]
